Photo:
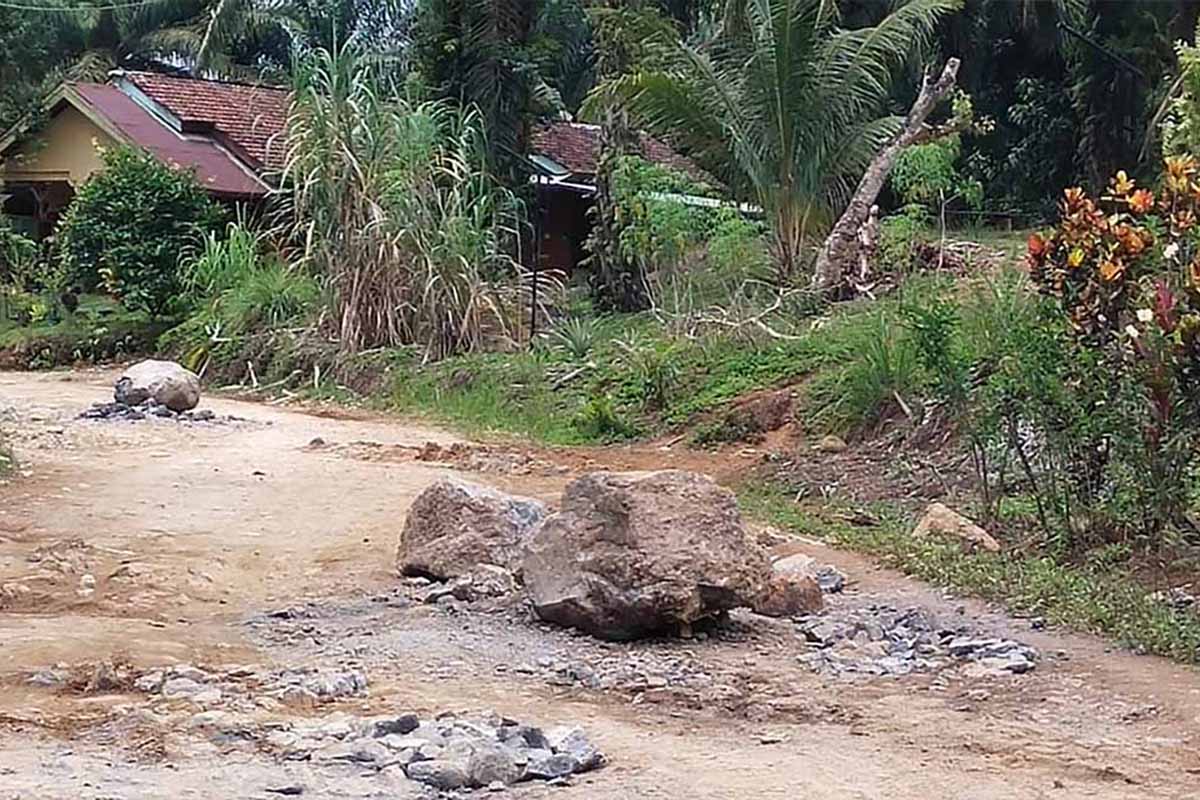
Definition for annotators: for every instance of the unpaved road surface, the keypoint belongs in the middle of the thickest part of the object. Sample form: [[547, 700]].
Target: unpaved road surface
[[245, 546]]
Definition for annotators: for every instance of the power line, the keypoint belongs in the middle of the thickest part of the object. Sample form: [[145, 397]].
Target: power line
[[74, 10]]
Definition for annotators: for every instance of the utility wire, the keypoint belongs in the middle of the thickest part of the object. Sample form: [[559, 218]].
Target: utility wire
[[74, 10]]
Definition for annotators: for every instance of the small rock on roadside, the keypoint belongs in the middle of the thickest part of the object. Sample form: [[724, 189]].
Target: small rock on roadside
[[831, 444], [940, 520]]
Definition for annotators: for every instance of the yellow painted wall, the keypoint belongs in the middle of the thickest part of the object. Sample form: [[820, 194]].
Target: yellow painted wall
[[66, 149]]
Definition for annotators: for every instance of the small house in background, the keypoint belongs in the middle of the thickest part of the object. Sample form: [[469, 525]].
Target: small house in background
[[231, 136], [227, 133], [565, 158]]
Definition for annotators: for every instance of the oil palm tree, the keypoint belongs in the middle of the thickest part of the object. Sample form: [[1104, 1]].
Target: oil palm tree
[[783, 104], [99, 36], [378, 27]]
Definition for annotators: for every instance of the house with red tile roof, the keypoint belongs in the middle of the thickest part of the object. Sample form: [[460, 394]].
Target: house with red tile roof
[[565, 157], [231, 137]]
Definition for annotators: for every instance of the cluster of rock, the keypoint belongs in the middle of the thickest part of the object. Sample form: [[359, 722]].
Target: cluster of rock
[[303, 687], [627, 555], [147, 410], [447, 752], [632, 555], [882, 640], [453, 752], [153, 389]]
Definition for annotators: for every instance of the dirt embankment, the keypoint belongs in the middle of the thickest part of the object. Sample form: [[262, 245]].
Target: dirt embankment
[[250, 547]]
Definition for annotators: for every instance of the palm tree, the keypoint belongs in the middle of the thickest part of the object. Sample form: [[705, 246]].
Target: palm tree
[[99, 36], [273, 28], [782, 104]]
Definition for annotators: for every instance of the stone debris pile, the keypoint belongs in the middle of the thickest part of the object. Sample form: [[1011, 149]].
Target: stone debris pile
[[881, 640], [154, 390], [148, 409], [447, 752], [302, 687], [488, 750]]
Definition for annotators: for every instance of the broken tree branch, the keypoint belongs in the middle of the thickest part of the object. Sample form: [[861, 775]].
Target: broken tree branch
[[839, 249]]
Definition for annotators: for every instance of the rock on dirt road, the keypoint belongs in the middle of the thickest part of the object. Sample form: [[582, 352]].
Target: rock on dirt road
[[455, 526], [165, 382], [202, 611], [639, 554]]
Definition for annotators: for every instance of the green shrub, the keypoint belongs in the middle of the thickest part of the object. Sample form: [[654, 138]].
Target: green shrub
[[933, 321], [599, 420], [222, 262], [237, 290], [928, 174], [18, 256], [650, 370], [880, 371], [899, 235], [128, 225], [737, 246]]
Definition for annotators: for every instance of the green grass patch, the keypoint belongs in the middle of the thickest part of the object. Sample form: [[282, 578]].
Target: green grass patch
[[98, 330], [509, 393], [628, 377], [1094, 599]]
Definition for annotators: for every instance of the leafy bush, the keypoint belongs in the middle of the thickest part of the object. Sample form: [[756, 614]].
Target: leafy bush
[[1102, 409], [127, 226], [880, 371], [737, 246], [657, 230], [18, 256], [899, 234], [651, 370], [244, 288], [932, 321], [600, 421], [237, 289], [928, 174]]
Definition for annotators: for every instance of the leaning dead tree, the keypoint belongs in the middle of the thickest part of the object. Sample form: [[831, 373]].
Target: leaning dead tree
[[840, 251]]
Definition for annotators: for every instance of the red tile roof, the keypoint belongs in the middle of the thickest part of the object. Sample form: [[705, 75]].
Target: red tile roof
[[576, 146], [215, 168], [250, 118]]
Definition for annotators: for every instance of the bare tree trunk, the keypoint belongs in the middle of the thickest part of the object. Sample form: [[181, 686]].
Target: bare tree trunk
[[839, 249]]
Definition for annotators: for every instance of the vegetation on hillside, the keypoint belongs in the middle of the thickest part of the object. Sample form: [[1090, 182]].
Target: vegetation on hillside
[[1058, 378]]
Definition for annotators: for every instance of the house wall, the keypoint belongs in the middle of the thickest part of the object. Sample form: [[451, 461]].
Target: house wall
[[67, 149]]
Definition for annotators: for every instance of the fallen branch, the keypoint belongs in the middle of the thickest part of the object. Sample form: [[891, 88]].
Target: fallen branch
[[840, 248]]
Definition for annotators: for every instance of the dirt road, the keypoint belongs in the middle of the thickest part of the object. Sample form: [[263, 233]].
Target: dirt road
[[156, 543]]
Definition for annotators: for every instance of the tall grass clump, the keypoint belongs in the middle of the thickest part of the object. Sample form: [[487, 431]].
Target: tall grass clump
[[241, 282], [394, 210]]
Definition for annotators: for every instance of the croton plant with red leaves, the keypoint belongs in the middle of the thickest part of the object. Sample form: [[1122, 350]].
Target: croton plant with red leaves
[[1127, 265], [1125, 269]]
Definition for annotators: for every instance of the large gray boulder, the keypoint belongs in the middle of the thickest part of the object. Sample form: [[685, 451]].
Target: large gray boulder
[[165, 382], [454, 526], [635, 554]]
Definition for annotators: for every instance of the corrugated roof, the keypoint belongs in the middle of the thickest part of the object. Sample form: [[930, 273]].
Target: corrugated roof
[[216, 169], [252, 118], [576, 146]]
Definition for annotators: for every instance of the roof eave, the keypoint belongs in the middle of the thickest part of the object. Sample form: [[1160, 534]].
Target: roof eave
[[64, 93]]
